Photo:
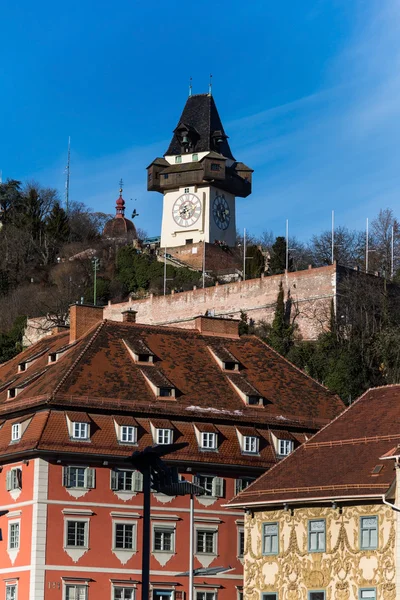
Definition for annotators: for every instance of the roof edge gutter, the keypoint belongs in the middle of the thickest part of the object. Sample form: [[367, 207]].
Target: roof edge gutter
[[304, 500]]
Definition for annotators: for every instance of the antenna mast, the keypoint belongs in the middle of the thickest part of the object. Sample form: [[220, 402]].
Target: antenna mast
[[67, 176]]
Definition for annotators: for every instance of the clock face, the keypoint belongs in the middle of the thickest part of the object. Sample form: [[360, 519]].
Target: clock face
[[186, 210], [221, 212]]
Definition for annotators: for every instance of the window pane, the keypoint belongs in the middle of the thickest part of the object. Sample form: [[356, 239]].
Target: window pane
[[367, 594]]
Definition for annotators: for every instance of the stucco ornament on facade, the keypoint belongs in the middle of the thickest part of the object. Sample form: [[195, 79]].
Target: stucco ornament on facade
[[341, 570]]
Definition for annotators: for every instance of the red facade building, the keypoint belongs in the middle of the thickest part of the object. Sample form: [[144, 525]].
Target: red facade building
[[77, 404]]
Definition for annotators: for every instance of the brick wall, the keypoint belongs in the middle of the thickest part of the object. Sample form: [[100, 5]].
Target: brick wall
[[311, 292], [217, 259]]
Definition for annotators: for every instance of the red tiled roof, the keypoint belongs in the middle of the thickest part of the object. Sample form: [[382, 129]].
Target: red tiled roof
[[99, 377], [339, 460]]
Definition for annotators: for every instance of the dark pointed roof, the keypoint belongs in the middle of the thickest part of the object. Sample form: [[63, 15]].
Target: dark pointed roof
[[201, 115]]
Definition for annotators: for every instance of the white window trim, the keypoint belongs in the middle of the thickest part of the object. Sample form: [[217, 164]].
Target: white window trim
[[284, 442], [16, 433], [84, 584], [239, 531], [256, 440], [124, 586], [211, 436], [206, 558], [158, 433], [12, 584], [13, 552], [77, 492], [76, 552], [124, 554], [163, 556], [16, 491]]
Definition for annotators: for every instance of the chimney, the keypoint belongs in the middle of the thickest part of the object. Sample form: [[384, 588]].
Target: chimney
[[83, 317], [129, 316], [59, 328], [217, 327]]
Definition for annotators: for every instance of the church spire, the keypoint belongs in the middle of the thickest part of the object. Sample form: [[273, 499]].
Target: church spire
[[120, 203]]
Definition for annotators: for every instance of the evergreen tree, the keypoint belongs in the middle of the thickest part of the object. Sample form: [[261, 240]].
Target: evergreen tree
[[277, 261], [281, 334]]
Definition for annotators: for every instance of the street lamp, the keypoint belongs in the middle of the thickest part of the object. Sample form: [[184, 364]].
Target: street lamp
[[161, 478]]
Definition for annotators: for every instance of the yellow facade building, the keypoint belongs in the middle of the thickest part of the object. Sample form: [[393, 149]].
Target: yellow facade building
[[324, 523]]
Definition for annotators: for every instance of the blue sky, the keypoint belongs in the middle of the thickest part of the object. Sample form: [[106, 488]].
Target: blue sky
[[308, 93]]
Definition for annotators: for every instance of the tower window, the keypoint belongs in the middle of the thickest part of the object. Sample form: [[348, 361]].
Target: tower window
[[215, 167], [166, 176], [178, 159], [195, 157]]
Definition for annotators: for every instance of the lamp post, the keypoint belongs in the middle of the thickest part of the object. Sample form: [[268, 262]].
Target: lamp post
[[96, 263], [161, 478]]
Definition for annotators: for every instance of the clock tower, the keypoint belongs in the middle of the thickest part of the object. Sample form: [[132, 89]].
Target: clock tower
[[199, 178]]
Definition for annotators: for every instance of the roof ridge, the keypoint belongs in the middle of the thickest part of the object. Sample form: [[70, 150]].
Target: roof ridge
[[374, 438], [96, 329]]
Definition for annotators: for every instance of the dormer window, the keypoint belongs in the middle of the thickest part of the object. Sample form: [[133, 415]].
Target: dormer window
[[158, 382], [16, 432], [163, 436], [80, 431], [254, 400], [285, 447], [224, 358], [28, 362], [178, 159], [128, 434], [250, 444], [165, 392], [139, 351], [208, 440]]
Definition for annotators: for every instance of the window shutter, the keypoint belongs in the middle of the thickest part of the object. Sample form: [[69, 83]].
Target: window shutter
[[113, 480], [238, 486], [218, 487], [66, 477], [9, 481], [90, 478], [196, 480], [18, 476], [137, 481]]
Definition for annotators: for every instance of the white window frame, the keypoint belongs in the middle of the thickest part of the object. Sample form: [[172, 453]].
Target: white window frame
[[76, 586], [11, 524], [122, 474], [214, 532], [215, 483], [319, 546], [15, 475], [251, 444], [16, 432], [208, 440], [285, 447], [268, 539], [206, 595], [369, 529], [8, 587], [124, 522], [87, 471], [239, 534], [85, 546], [123, 587], [129, 432], [160, 528], [164, 436], [361, 595], [80, 430]]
